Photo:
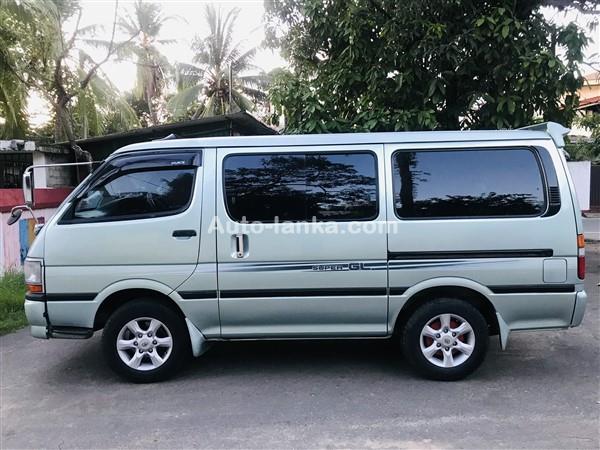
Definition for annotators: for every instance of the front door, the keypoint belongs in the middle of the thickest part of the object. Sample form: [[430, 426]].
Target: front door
[[138, 219], [301, 244]]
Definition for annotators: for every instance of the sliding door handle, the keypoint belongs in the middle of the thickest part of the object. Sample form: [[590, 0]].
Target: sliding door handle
[[184, 233]]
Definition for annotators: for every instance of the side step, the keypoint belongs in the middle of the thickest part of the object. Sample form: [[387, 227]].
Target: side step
[[70, 333]]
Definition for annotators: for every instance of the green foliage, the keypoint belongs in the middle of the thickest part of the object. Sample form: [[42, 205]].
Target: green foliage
[[12, 295], [44, 57], [587, 150], [20, 50], [410, 65], [205, 82]]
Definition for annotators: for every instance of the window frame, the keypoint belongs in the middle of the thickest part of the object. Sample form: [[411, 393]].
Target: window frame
[[304, 152], [67, 217], [532, 150]]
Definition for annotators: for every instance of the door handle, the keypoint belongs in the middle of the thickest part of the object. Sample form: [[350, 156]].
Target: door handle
[[184, 233], [240, 245]]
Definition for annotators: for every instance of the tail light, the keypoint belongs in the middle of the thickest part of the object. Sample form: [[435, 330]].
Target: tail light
[[580, 256]]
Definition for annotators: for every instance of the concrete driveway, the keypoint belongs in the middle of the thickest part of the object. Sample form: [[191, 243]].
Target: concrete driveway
[[543, 392]]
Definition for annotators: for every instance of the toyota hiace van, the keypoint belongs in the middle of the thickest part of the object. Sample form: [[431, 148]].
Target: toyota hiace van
[[441, 238]]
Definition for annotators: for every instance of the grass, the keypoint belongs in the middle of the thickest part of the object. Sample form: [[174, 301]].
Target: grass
[[12, 295]]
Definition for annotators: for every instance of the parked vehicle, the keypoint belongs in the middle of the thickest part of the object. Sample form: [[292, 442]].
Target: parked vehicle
[[441, 238]]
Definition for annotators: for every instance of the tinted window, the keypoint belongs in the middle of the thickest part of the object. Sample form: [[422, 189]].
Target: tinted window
[[298, 187], [467, 183], [140, 193]]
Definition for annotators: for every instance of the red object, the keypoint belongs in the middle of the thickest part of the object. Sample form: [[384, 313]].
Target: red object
[[581, 267], [581, 256], [44, 198]]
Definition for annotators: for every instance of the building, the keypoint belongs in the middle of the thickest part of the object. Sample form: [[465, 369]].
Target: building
[[52, 185]]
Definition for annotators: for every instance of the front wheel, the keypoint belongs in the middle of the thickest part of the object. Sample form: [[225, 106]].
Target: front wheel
[[145, 341], [445, 339]]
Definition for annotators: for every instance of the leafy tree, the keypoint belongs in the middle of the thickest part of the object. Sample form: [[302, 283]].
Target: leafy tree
[[206, 81], [373, 65], [587, 150], [53, 63], [18, 43], [153, 68]]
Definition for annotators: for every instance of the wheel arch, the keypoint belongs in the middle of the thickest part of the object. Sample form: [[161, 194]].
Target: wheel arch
[[121, 293], [459, 290]]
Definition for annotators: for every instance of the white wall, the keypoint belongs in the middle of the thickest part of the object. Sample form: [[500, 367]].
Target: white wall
[[10, 246], [581, 174]]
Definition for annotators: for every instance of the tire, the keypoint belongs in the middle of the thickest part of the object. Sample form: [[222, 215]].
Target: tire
[[158, 355], [442, 355]]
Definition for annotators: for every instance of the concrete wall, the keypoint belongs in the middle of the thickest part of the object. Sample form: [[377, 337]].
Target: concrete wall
[[10, 239], [581, 174]]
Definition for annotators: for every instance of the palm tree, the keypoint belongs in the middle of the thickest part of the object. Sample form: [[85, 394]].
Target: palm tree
[[203, 86], [18, 24], [152, 66]]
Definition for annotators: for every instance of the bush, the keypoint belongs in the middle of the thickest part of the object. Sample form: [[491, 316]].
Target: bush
[[12, 293]]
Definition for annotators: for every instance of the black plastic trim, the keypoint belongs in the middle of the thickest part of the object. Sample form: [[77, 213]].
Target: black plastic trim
[[35, 297], [325, 292], [184, 233], [398, 290], [186, 295], [531, 288], [70, 332], [71, 297], [466, 254]]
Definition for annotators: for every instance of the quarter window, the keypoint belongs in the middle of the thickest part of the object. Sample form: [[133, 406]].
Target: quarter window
[[467, 183], [301, 187], [137, 194]]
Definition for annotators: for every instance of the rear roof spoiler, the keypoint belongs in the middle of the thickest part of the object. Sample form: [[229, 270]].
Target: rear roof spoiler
[[555, 130]]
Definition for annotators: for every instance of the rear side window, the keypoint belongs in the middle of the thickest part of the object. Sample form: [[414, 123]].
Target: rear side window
[[135, 194], [301, 187], [467, 183]]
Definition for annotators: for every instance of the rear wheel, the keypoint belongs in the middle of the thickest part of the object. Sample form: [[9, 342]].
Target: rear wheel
[[145, 341], [445, 339]]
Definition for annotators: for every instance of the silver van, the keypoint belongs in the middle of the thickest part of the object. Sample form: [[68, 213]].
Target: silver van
[[440, 238]]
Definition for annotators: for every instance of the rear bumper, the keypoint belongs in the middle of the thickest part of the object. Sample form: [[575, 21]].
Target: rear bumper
[[579, 310]]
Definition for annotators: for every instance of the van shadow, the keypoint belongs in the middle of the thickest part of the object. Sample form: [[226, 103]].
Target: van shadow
[[317, 357], [84, 364], [244, 360]]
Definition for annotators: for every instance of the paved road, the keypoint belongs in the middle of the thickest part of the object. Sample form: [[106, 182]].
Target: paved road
[[591, 228], [543, 392]]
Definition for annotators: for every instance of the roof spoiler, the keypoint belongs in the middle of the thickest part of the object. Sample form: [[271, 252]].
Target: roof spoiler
[[555, 130]]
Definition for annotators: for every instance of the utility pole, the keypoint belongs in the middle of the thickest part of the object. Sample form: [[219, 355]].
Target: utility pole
[[230, 87]]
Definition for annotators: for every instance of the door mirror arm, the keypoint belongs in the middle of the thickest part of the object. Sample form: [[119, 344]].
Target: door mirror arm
[[17, 211]]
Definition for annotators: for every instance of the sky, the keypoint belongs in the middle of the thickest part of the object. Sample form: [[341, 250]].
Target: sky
[[188, 21]]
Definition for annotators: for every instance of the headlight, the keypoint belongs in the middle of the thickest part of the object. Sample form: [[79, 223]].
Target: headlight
[[33, 276]]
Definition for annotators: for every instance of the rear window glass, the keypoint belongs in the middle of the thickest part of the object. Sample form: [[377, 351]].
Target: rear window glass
[[467, 183], [301, 187]]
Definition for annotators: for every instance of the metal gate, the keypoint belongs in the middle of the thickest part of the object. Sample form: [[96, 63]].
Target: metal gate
[[595, 189]]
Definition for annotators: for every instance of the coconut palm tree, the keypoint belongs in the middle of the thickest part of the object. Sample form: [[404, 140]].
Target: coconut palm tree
[[153, 67], [203, 86], [18, 26]]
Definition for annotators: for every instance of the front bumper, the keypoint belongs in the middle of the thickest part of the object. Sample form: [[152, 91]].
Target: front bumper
[[36, 316], [41, 328]]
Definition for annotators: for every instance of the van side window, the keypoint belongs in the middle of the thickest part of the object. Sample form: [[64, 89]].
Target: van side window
[[133, 194], [467, 183], [301, 186]]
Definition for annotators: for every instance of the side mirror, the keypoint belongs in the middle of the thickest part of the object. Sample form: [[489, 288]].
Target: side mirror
[[28, 188], [15, 215]]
